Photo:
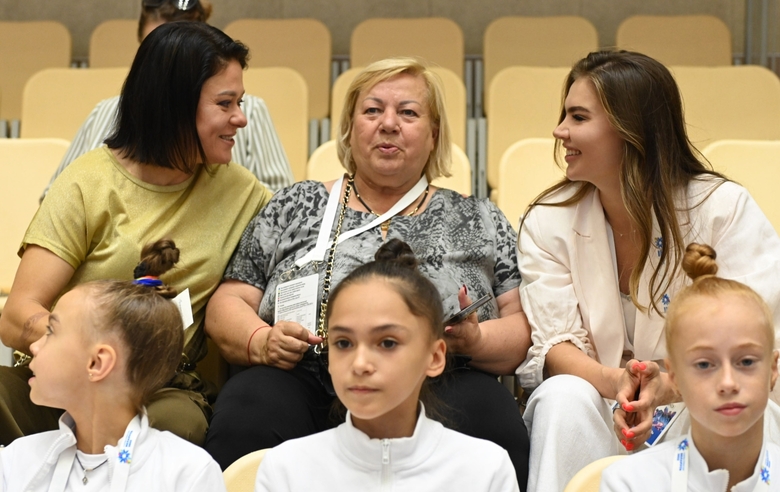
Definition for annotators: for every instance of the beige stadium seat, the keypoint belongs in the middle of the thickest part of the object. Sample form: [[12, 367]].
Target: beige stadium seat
[[525, 102], [698, 40], [588, 479], [26, 165], [56, 101], [301, 44], [536, 41], [454, 102], [26, 48], [527, 168], [113, 43], [436, 40], [755, 164], [286, 95], [240, 476], [324, 166], [729, 103]]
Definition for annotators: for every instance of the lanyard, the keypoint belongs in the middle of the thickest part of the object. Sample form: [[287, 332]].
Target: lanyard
[[681, 467], [318, 253], [121, 464]]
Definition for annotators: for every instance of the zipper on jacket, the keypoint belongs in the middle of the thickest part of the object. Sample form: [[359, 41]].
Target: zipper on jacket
[[386, 477]]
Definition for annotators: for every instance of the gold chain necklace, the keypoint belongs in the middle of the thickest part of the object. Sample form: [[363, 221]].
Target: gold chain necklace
[[322, 330], [386, 224]]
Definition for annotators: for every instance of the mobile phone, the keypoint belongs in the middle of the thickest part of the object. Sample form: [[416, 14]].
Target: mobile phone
[[464, 313]]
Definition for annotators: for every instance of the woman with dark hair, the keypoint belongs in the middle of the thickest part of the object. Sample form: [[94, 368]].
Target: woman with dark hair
[[163, 173], [600, 255], [257, 146]]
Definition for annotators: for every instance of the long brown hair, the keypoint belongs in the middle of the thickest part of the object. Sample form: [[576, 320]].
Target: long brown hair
[[643, 103]]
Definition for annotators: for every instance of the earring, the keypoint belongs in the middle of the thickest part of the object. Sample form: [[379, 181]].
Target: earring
[[90, 375]]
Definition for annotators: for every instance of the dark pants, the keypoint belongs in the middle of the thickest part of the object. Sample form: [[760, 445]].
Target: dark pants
[[263, 406]]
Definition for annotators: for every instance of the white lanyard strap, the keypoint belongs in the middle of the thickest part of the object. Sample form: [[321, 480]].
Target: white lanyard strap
[[318, 253], [681, 468], [124, 456]]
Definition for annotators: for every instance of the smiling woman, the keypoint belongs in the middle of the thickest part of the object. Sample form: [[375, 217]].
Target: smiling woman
[[162, 173], [600, 254]]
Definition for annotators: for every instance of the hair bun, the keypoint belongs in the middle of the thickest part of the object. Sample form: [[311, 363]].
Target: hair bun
[[699, 260], [156, 259], [397, 251]]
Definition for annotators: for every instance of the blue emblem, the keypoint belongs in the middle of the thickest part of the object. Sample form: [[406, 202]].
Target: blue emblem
[[124, 456], [764, 475], [683, 445], [659, 245], [665, 300]]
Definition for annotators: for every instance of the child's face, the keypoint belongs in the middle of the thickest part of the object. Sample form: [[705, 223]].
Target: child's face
[[722, 364], [61, 357], [380, 354]]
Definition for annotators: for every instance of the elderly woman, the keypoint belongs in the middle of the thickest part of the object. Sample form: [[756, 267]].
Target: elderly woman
[[162, 174], [394, 141], [600, 256], [257, 146]]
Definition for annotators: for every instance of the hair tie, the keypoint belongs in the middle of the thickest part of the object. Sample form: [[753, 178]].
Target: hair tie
[[148, 281]]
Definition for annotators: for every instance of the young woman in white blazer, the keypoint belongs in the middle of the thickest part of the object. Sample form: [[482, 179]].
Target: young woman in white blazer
[[600, 256]]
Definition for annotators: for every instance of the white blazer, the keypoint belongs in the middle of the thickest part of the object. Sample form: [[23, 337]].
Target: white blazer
[[570, 291]]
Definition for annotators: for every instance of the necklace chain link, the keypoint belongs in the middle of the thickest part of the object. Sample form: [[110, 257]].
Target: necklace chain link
[[386, 224], [322, 330]]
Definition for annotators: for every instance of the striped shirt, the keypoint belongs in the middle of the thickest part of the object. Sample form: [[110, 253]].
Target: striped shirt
[[257, 146]]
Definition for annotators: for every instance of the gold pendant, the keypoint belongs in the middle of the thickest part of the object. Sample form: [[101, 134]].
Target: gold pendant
[[386, 225]]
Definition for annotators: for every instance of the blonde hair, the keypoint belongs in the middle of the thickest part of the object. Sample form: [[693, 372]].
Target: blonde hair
[[643, 103], [699, 263], [441, 156]]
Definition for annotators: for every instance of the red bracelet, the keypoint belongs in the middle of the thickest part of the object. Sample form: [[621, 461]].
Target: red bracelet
[[248, 356]]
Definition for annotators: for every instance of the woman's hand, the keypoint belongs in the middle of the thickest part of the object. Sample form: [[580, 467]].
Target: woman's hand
[[641, 389], [283, 345], [465, 337]]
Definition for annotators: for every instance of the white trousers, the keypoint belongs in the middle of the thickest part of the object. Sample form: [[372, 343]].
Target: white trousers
[[570, 426]]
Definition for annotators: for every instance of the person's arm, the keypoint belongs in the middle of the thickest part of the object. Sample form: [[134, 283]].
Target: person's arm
[[245, 339], [259, 149], [498, 345], [40, 278]]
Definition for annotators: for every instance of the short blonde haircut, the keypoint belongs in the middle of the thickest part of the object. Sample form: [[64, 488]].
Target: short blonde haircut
[[441, 156], [699, 264]]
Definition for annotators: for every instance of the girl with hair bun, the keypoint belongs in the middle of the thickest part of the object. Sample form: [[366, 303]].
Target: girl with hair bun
[[381, 354], [109, 345], [720, 342]]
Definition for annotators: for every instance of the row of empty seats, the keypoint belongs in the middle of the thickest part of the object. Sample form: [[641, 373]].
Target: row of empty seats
[[305, 45]]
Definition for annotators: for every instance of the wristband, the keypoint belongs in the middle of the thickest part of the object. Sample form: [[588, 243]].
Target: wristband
[[249, 343]]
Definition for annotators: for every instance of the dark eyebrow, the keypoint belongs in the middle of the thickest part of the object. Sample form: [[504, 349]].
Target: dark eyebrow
[[380, 328], [574, 109], [230, 93]]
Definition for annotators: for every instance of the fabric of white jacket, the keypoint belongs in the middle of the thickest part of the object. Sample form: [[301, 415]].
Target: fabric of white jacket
[[433, 459], [161, 462], [570, 290], [651, 470]]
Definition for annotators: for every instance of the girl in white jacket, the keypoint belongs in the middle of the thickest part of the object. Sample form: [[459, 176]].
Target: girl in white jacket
[[385, 338], [720, 343], [109, 346]]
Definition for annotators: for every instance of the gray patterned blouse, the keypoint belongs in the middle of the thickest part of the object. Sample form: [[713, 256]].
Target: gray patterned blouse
[[456, 240]]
